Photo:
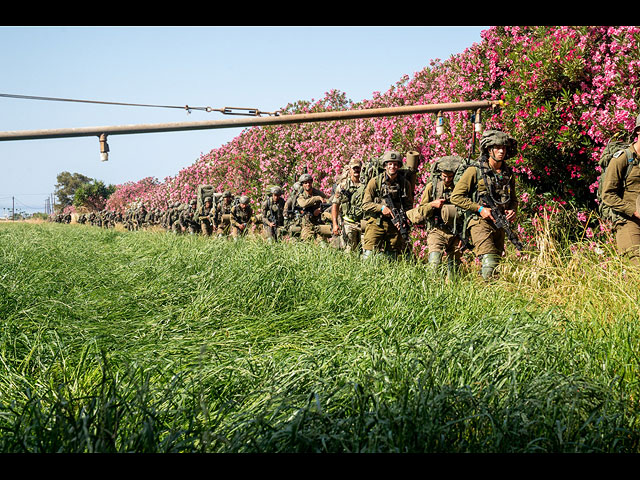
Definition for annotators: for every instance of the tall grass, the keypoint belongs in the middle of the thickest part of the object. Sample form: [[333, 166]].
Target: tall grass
[[149, 342]]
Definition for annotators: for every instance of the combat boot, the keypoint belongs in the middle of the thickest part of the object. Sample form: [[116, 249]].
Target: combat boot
[[489, 263]]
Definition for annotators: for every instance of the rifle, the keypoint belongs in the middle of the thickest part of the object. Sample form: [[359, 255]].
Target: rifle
[[398, 216], [500, 220]]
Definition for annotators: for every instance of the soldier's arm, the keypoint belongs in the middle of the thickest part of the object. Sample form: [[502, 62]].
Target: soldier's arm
[[461, 195], [308, 201], [368, 205], [424, 207], [613, 181]]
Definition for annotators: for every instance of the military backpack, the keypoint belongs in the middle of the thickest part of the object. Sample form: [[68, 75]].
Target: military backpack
[[614, 149]]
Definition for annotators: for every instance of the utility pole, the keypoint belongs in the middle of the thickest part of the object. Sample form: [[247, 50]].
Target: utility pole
[[13, 208]]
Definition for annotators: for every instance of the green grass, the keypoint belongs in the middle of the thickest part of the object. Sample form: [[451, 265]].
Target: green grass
[[149, 342]]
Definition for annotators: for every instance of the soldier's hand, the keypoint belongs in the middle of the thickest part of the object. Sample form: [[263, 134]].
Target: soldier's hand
[[437, 203], [386, 211], [336, 229], [486, 214], [510, 214], [317, 212]]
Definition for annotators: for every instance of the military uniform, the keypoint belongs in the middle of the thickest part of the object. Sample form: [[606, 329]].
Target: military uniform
[[441, 237], [241, 218], [309, 202], [223, 214], [381, 235], [351, 228], [187, 218], [273, 212], [204, 216], [468, 193], [621, 195]]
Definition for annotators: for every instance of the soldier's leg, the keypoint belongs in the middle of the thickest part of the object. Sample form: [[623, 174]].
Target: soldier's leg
[[488, 246], [373, 239], [628, 241], [436, 244]]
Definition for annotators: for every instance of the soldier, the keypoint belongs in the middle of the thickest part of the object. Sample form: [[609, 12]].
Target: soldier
[[223, 214], [273, 214], [386, 198], [620, 192], [310, 201], [205, 216], [187, 218], [174, 218], [241, 217], [440, 216], [347, 207], [292, 213], [489, 181]]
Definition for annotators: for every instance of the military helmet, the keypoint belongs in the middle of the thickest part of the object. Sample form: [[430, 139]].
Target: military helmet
[[493, 138], [226, 194], [305, 177], [208, 199], [243, 199], [391, 156], [191, 202], [449, 163], [276, 190], [635, 129]]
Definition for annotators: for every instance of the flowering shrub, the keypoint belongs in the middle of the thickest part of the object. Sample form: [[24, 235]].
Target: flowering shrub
[[566, 91]]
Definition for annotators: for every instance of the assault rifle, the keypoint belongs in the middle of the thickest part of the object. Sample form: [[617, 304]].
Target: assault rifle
[[500, 220], [398, 216]]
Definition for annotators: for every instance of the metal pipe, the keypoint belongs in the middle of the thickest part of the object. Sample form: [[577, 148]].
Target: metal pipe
[[246, 122]]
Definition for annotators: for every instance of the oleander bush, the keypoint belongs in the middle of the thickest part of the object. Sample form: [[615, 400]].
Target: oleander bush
[[567, 91]]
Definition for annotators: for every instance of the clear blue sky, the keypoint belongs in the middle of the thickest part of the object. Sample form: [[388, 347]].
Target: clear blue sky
[[254, 67]]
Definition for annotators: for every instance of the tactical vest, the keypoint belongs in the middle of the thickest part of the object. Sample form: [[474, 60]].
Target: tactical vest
[[350, 204], [497, 185]]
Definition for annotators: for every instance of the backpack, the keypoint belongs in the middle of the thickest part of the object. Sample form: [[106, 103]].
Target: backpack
[[613, 149]]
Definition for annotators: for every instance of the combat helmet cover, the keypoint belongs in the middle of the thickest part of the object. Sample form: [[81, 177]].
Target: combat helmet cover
[[492, 138]]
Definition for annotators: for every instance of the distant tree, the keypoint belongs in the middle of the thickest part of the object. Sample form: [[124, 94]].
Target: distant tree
[[66, 187], [92, 195]]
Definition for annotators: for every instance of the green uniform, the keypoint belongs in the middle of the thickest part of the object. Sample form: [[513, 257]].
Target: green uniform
[[273, 211], [204, 217], [621, 196], [240, 220], [223, 217], [467, 195], [310, 223], [381, 235], [440, 236]]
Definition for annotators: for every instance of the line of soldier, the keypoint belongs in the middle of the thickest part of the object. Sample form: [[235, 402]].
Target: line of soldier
[[370, 211]]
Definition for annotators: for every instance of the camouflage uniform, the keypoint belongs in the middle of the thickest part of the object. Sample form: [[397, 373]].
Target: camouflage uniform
[[381, 235], [488, 240], [349, 212], [622, 194]]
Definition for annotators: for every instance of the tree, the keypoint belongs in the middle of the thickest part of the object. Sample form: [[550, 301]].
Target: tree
[[92, 195], [66, 187]]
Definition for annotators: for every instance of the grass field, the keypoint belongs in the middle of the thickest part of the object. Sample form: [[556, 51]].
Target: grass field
[[115, 341]]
